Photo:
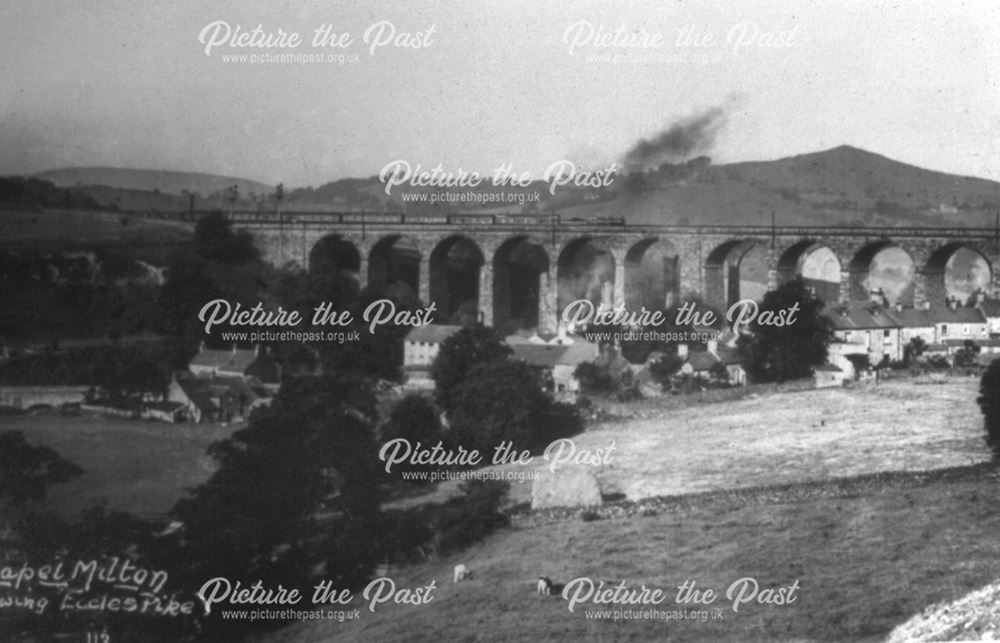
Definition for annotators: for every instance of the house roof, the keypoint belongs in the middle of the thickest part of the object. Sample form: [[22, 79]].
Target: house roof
[[203, 391], [538, 354], [990, 307], [236, 361], [702, 360], [913, 318], [432, 333], [870, 316], [829, 368], [861, 316], [958, 315], [167, 407], [550, 355], [578, 352]]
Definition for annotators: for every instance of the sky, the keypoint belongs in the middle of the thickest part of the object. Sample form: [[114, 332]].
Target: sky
[[474, 85]]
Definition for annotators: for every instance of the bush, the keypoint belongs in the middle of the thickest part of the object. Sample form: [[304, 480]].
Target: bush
[[781, 353], [312, 450], [939, 362], [989, 404], [594, 378], [459, 354], [504, 401], [415, 419], [27, 471], [470, 518]]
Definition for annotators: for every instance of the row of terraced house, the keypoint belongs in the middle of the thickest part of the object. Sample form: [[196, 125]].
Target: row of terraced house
[[882, 332]]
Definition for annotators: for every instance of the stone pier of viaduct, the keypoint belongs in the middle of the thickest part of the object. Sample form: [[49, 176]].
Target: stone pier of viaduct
[[702, 260]]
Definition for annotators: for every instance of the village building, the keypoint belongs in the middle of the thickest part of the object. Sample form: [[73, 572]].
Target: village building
[[235, 362], [915, 323], [991, 310], [420, 349], [867, 328], [952, 322], [557, 362], [215, 398], [705, 364]]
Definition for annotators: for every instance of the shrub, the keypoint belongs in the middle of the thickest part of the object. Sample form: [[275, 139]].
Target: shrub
[[459, 354], [938, 362], [502, 401], [989, 404], [475, 515], [781, 353], [27, 471], [594, 378], [415, 419]]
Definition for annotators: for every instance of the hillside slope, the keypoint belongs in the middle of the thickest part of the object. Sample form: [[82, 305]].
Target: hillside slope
[[843, 186], [149, 180]]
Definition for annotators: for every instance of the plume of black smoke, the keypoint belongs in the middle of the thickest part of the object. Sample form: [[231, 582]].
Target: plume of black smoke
[[693, 135]]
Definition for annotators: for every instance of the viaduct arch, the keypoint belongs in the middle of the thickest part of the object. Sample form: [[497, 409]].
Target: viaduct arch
[[518, 270]]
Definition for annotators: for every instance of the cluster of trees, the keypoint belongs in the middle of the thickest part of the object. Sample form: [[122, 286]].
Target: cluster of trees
[[779, 353], [489, 397], [116, 372], [67, 295], [41, 193]]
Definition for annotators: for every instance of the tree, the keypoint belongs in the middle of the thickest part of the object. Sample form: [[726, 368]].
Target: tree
[[914, 349], [295, 491], [966, 356], [474, 515], [774, 353], [415, 419], [664, 369], [594, 378], [500, 401], [377, 353], [989, 404], [215, 240], [27, 471], [459, 354]]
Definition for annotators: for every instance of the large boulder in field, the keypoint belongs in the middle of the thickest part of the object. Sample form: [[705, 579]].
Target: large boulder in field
[[567, 486]]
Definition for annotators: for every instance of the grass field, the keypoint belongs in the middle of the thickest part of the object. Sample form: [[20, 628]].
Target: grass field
[[84, 227], [783, 438], [868, 551], [130, 465], [776, 487], [864, 563]]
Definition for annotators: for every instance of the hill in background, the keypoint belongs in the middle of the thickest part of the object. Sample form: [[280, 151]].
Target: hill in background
[[152, 180], [843, 186]]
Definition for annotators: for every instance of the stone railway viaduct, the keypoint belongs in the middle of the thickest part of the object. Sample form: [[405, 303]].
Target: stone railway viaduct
[[703, 259]]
